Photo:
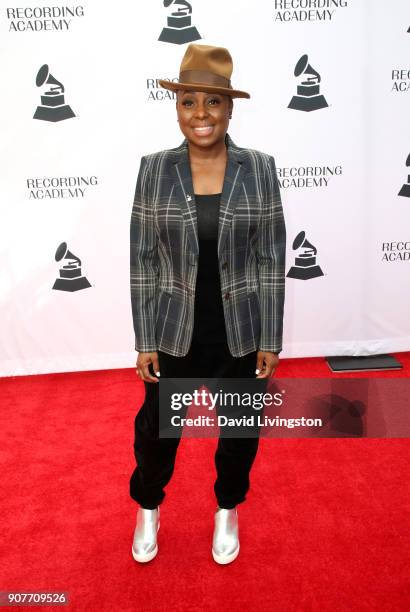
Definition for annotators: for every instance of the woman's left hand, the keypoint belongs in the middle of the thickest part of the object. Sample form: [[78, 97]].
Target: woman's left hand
[[266, 363]]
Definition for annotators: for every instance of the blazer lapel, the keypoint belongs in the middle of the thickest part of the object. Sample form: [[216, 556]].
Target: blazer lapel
[[236, 168], [184, 192]]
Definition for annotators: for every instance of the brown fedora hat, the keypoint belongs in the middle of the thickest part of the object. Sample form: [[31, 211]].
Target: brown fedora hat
[[206, 68]]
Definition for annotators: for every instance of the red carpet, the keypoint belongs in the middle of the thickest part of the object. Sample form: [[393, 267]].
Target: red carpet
[[325, 526]]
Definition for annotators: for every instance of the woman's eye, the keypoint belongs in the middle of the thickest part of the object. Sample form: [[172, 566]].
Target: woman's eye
[[212, 101]]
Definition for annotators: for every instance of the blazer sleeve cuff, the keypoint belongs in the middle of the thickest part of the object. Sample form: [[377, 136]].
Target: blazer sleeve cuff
[[270, 349], [145, 348]]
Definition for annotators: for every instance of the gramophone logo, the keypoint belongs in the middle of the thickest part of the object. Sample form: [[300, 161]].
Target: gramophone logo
[[179, 29], [308, 96], [305, 266], [71, 278], [53, 107], [405, 190]]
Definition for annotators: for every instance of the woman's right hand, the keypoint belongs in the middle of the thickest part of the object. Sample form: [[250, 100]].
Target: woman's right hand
[[143, 362]]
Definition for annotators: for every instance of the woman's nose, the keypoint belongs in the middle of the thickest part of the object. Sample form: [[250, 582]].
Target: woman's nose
[[201, 110]]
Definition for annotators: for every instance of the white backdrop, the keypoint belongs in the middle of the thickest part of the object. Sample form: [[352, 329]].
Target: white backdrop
[[108, 56]]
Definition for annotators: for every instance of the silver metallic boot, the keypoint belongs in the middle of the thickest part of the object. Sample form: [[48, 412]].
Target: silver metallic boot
[[225, 544], [144, 546]]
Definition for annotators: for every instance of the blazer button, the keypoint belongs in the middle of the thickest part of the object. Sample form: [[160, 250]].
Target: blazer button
[[224, 265], [227, 295]]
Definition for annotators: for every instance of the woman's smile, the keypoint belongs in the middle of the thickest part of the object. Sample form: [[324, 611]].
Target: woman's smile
[[203, 131]]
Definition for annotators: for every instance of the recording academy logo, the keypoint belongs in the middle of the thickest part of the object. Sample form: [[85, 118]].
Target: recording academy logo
[[156, 93], [305, 266], [307, 10], [405, 190], [299, 177], [71, 278], [179, 29], [42, 18], [53, 107], [59, 187], [396, 251], [400, 80], [308, 96]]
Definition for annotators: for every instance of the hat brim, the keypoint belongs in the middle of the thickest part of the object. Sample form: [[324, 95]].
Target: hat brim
[[234, 93]]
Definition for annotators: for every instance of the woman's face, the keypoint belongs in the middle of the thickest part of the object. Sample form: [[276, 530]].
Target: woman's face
[[210, 111]]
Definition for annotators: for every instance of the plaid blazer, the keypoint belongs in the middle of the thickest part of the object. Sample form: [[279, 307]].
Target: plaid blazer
[[164, 252]]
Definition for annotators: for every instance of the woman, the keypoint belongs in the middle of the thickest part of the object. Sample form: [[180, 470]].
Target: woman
[[207, 284]]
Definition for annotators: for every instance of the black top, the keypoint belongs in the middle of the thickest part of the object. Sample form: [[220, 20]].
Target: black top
[[209, 322]]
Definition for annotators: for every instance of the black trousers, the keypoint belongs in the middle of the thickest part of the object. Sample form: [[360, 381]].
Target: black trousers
[[155, 456]]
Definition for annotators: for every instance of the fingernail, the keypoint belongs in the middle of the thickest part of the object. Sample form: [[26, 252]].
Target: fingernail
[[257, 371], [157, 373]]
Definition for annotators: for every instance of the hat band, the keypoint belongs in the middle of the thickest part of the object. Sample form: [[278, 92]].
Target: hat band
[[204, 77]]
